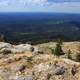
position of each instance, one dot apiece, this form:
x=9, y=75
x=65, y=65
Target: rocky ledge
x=29, y=62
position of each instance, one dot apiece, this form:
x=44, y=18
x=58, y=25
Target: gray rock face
x=47, y=71
x=5, y=45
x=26, y=78
x=59, y=70
x=6, y=51
x=19, y=62
x=22, y=48
x=7, y=48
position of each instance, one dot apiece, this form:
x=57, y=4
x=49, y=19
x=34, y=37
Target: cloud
x=33, y=2
x=64, y=0
x=22, y=2
x=40, y=5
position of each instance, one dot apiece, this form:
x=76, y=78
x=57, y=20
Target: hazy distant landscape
x=39, y=27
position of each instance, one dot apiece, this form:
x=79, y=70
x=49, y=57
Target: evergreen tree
x=69, y=54
x=58, y=49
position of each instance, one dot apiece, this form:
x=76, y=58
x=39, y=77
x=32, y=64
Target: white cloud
x=33, y=2
x=23, y=2
x=39, y=5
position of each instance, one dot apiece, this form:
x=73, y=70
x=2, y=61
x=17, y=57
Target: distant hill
x=39, y=27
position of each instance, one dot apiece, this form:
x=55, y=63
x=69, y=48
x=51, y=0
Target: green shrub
x=78, y=57
x=69, y=54
x=58, y=49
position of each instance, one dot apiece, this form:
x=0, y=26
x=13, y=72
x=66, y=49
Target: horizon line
x=40, y=12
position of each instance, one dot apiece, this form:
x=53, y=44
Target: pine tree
x=58, y=49
x=69, y=54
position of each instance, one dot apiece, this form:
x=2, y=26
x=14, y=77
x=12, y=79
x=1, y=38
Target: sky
x=64, y=6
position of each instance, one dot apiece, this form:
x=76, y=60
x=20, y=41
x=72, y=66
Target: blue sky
x=65, y=6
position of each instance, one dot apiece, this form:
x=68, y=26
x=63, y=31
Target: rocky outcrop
x=7, y=48
x=28, y=62
x=22, y=48
x=58, y=71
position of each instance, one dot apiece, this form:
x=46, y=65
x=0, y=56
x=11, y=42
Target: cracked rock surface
x=28, y=62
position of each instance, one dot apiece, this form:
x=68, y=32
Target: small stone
x=26, y=78
x=59, y=70
x=18, y=68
